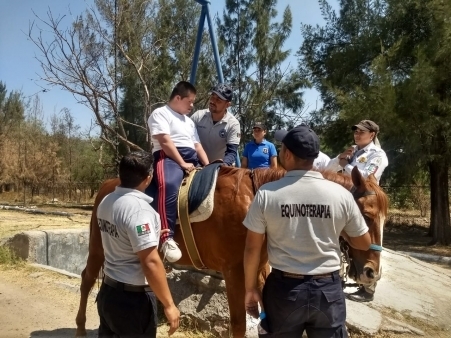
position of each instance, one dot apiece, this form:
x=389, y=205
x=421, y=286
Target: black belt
x=299, y=276
x=126, y=287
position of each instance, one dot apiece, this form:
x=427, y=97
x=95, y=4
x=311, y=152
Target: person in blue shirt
x=259, y=153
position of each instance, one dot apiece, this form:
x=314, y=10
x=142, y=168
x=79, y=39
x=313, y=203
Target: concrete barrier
x=61, y=249
x=201, y=299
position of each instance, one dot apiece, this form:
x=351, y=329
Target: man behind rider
x=219, y=131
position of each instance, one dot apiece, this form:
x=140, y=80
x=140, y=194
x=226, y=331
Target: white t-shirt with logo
x=179, y=127
x=303, y=215
x=128, y=224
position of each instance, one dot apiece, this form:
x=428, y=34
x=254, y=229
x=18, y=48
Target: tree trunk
x=440, y=228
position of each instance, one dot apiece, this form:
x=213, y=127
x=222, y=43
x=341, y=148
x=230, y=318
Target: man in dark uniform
x=302, y=216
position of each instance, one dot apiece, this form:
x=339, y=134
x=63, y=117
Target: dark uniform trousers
x=311, y=304
x=125, y=313
x=164, y=188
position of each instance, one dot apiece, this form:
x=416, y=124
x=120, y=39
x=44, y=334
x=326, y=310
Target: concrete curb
x=60, y=271
x=428, y=257
x=61, y=249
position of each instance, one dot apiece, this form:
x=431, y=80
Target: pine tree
x=252, y=46
x=389, y=61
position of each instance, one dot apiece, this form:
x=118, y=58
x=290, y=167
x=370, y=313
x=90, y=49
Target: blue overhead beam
x=205, y=13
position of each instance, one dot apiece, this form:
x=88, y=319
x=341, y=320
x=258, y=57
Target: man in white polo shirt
x=219, y=131
x=301, y=216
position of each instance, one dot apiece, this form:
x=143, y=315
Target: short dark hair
x=183, y=89
x=134, y=168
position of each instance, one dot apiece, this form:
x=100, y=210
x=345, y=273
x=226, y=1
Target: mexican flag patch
x=143, y=229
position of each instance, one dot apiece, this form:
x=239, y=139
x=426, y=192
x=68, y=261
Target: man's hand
x=187, y=166
x=251, y=301
x=345, y=156
x=173, y=315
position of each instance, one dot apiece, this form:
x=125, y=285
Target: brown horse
x=221, y=238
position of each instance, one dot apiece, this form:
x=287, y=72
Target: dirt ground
x=39, y=303
x=12, y=222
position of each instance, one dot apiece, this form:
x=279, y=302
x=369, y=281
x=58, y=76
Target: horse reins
x=251, y=175
x=344, y=246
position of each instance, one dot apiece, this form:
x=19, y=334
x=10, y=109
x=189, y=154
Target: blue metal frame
x=205, y=13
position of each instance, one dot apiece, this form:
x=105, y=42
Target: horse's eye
x=367, y=218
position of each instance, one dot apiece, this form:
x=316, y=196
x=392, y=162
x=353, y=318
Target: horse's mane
x=262, y=176
x=259, y=176
x=343, y=180
x=346, y=181
x=382, y=198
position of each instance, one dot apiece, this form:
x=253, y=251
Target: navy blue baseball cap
x=302, y=141
x=224, y=91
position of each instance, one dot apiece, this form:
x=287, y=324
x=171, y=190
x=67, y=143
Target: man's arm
x=360, y=242
x=171, y=151
x=243, y=162
x=254, y=242
x=156, y=277
x=230, y=154
x=201, y=154
x=273, y=162
x=255, y=223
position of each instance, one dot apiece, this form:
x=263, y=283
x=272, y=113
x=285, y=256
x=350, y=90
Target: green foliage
x=8, y=258
x=12, y=108
x=388, y=61
x=155, y=51
x=252, y=50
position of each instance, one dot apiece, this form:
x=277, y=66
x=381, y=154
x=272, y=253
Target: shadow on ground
x=61, y=333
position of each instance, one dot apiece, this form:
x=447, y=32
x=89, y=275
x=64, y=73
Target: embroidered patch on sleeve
x=377, y=160
x=143, y=229
x=372, y=168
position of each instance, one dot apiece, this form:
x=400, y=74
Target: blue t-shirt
x=259, y=155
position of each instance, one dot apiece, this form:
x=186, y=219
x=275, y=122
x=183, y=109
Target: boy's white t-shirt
x=179, y=127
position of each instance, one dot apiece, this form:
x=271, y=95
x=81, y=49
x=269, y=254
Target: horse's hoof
x=80, y=333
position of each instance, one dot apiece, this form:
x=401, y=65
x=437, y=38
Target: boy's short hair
x=183, y=89
x=134, y=168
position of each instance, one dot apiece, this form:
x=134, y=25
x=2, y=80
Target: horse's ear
x=357, y=179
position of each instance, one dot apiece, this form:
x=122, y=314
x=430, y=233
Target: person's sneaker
x=171, y=251
x=361, y=296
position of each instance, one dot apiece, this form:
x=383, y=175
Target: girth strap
x=185, y=224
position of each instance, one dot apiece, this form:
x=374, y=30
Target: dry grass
x=12, y=222
x=407, y=231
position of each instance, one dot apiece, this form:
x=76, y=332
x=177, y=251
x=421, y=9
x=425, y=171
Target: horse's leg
x=234, y=279
x=88, y=278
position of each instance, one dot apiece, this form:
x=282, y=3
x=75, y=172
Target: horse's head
x=373, y=203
